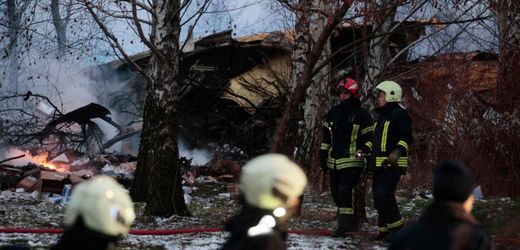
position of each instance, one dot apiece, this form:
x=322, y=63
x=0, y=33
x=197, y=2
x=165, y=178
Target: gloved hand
x=394, y=157
x=359, y=154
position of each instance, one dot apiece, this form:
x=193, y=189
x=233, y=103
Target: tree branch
x=115, y=42
x=145, y=40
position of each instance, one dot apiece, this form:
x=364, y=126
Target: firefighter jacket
x=392, y=130
x=79, y=236
x=444, y=225
x=346, y=129
x=249, y=231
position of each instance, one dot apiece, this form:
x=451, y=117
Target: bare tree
x=508, y=91
x=382, y=21
x=157, y=179
x=158, y=164
x=306, y=60
x=60, y=24
x=14, y=27
x=317, y=98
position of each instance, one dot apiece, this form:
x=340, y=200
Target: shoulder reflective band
x=403, y=144
x=369, y=144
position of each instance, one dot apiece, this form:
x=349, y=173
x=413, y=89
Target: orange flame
x=41, y=159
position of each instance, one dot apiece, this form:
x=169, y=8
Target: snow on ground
x=20, y=210
x=191, y=241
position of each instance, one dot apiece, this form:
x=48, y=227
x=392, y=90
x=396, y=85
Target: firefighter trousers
x=384, y=185
x=343, y=184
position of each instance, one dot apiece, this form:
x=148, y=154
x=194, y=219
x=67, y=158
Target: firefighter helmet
x=349, y=85
x=272, y=181
x=392, y=90
x=104, y=206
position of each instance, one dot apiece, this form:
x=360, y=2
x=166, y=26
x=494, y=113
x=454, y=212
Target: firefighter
x=447, y=222
x=346, y=129
x=100, y=212
x=270, y=187
x=389, y=150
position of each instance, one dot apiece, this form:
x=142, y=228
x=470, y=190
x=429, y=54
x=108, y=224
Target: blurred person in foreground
x=100, y=212
x=270, y=186
x=447, y=223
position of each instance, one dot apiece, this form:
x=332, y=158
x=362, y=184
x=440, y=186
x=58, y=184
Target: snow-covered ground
x=20, y=210
x=211, y=207
x=192, y=241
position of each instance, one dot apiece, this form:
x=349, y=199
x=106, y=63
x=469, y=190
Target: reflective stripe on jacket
x=346, y=129
x=392, y=130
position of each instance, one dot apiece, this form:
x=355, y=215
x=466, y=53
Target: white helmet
x=392, y=90
x=271, y=172
x=103, y=204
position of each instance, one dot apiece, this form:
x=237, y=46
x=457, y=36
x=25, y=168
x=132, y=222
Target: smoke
x=8, y=152
x=198, y=157
x=69, y=84
x=63, y=81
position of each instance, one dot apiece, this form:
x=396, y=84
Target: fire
x=41, y=159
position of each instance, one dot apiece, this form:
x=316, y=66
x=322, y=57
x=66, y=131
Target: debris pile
x=53, y=180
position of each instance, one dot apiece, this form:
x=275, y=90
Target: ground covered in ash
x=211, y=206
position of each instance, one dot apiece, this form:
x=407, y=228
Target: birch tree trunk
x=305, y=60
x=13, y=17
x=301, y=48
x=157, y=179
x=378, y=50
x=317, y=99
x=377, y=61
x=60, y=25
x=508, y=89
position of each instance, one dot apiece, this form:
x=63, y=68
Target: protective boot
x=346, y=223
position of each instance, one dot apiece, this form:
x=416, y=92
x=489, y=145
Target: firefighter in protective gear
x=99, y=213
x=270, y=187
x=389, y=151
x=346, y=129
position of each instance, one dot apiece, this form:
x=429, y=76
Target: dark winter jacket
x=247, y=231
x=347, y=128
x=444, y=225
x=392, y=130
x=79, y=237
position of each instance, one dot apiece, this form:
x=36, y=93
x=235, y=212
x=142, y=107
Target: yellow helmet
x=392, y=90
x=103, y=204
x=271, y=172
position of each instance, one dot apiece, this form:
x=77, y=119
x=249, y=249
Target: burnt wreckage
x=231, y=90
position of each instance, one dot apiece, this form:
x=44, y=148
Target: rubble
x=53, y=180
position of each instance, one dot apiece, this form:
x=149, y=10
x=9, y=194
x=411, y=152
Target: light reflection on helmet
x=393, y=92
x=103, y=204
x=271, y=181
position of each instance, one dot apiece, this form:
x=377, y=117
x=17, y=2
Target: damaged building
x=231, y=90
